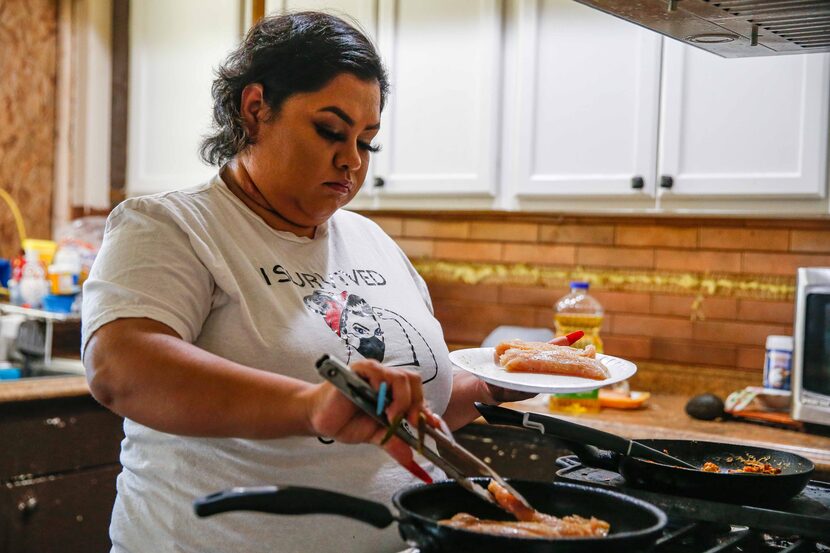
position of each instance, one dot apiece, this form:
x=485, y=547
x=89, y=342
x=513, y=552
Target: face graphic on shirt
x=373, y=332
x=361, y=329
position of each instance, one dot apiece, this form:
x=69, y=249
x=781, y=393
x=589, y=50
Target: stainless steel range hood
x=732, y=28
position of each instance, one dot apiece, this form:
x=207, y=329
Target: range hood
x=732, y=28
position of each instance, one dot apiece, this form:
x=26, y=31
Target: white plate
x=479, y=361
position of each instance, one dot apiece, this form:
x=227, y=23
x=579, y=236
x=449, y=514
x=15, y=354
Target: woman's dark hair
x=287, y=54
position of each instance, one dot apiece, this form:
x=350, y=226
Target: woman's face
x=311, y=158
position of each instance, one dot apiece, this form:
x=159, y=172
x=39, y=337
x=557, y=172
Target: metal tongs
x=456, y=461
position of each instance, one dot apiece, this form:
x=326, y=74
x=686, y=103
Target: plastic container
x=62, y=280
x=44, y=248
x=33, y=284
x=84, y=235
x=578, y=310
x=58, y=303
x=65, y=271
x=778, y=362
x=7, y=372
x=5, y=272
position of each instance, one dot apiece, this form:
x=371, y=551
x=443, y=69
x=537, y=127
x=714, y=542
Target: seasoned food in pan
x=530, y=523
x=750, y=465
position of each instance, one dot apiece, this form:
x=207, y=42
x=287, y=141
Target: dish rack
x=49, y=319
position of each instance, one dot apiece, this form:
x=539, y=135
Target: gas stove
x=802, y=524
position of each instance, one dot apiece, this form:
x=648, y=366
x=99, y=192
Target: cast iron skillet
x=635, y=524
x=742, y=488
x=750, y=489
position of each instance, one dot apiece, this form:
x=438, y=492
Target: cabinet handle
x=379, y=182
x=637, y=183
x=666, y=181
x=27, y=506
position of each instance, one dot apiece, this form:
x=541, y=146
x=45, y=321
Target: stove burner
x=801, y=525
x=598, y=476
x=723, y=526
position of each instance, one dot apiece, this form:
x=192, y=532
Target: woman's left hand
x=501, y=395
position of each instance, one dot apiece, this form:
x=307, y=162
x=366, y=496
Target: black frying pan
x=744, y=488
x=635, y=524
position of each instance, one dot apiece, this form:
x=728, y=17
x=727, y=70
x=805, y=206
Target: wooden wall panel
x=28, y=48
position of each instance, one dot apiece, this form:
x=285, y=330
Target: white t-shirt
x=200, y=261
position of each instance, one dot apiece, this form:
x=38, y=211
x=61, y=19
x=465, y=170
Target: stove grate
x=697, y=537
x=800, y=525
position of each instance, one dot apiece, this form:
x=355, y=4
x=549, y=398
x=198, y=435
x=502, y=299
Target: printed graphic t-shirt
x=201, y=262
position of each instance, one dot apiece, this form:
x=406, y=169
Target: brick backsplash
x=652, y=327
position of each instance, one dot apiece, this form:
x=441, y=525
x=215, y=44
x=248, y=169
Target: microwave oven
x=811, y=347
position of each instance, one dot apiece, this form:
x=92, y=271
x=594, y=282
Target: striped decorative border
x=779, y=288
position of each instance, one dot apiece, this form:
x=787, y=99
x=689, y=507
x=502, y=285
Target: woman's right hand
x=333, y=415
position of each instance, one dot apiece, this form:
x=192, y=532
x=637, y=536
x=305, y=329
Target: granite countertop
x=664, y=417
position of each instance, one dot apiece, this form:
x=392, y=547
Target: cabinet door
x=364, y=12
x=439, y=131
x=58, y=468
x=56, y=436
x=750, y=127
x=174, y=48
x=68, y=512
x=585, y=103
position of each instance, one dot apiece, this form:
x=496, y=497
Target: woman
x=207, y=307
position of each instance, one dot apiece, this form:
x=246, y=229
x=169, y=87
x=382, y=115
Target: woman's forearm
x=466, y=390
x=142, y=370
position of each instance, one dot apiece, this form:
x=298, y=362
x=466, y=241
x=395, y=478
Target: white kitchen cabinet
x=364, y=12
x=752, y=127
x=536, y=105
x=592, y=101
x=440, y=127
x=586, y=104
x=174, y=49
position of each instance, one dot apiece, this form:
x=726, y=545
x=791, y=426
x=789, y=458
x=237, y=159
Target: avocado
x=705, y=407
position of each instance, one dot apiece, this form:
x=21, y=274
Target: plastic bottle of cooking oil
x=578, y=310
